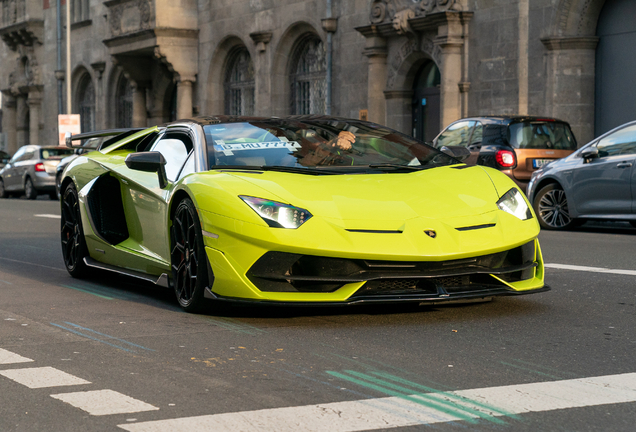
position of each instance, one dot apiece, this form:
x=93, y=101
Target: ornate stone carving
x=130, y=16
x=399, y=12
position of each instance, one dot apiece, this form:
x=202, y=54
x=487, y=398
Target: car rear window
x=55, y=153
x=541, y=135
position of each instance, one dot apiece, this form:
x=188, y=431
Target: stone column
x=570, y=83
x=9, y=125
x=139, y=112
x=376, y=51
x=450, y=41
x=35, y=103
x=184, y=98
x=22, y=127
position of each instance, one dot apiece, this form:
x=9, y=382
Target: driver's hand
x=344, y=140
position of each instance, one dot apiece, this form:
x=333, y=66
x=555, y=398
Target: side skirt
x=162, y=280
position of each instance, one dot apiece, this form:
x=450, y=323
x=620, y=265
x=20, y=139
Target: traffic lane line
x=590, y=269
x=104, y=402
x=42, y=377
x=48, y=216
x=393, y=412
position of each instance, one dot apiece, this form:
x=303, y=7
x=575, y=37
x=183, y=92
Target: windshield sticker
x=229, y=149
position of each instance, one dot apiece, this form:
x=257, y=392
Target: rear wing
x=68, y=138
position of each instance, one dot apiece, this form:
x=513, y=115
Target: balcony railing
x=13, y=11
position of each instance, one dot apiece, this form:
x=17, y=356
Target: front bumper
x=278, y=278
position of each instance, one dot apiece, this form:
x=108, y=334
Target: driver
x=330, y=152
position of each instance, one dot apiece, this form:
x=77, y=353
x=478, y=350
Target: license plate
x=538, y=163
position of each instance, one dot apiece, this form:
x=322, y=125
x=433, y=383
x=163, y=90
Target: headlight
x=277, y=215
x=514, y=203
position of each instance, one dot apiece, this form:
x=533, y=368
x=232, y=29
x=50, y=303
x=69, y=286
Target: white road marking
x=48, y=216
x=7, y=357
x=391, y=412
x=42, y=377
x=104, y=402
x=590, y=269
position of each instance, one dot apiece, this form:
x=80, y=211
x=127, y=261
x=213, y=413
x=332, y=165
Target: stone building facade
x=414, y=65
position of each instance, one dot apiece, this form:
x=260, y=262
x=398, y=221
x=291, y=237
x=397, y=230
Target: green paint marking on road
x=429, y=404
x=87, y=292
x=445, y=394
x=235, y=327
x=440, y=397
x=536, y=372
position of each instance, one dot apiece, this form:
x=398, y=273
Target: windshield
x=542, y=135
x=55, y=153
x=318, y=145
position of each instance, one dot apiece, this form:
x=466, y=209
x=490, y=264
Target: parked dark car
x=31, y=171
x=596, y=182
x=516, y=145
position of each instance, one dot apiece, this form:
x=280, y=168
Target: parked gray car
x=31, y=171
x=598, y=181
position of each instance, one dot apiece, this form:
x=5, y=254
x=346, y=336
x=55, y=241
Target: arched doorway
x=426, y=102
x=615, y=93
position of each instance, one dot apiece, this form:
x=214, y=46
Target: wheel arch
x=543, y=183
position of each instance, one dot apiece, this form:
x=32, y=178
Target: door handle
x=624, y=165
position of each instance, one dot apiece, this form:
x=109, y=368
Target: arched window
x=308, y=76
x=239, y=84
x=87, y=103
x=124, y=103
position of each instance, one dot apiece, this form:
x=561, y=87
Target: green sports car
x=298, y=210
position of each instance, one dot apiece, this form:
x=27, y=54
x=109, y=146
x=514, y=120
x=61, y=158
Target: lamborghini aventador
x=298, y=210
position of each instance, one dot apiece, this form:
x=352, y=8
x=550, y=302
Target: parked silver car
x=598, y=181
x=31, y=171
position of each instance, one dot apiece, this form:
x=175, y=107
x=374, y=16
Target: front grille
x=285, y=272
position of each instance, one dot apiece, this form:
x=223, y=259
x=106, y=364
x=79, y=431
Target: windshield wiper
x=396, y=166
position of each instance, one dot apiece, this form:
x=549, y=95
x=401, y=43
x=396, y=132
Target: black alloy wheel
x=551, y=207
x=3, y=192
x=189, y=269
x=73, y=243
x=29, y=189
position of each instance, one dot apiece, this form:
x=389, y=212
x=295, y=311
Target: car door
x=9, y=175
x=603, y=185
x=146, y=204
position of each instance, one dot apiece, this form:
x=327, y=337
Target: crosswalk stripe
x=392, y=412
x=104, y=402
x=7, y=357
x=42, y=377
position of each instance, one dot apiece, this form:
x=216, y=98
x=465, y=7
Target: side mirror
x=149, y=162
x=589, y=153
x=459, y=153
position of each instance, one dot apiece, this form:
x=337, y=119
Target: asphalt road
x=111, y=354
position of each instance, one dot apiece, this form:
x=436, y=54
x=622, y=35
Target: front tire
x=74, y=248
x=551, y=207
x=3, y=192
x=189, y=269
x=29, y=189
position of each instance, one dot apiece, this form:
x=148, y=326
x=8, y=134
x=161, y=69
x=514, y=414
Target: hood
x=379, y=201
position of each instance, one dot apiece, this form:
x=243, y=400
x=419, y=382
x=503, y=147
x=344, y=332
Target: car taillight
x=39, y=167
x=505, y=158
